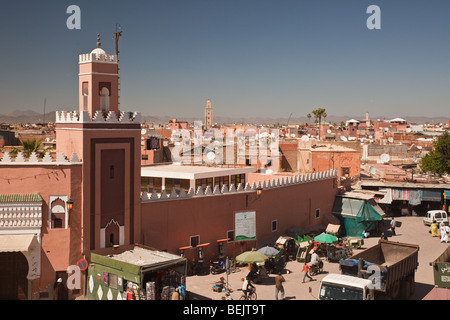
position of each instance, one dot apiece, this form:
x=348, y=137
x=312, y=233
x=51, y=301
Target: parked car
x=438, y=215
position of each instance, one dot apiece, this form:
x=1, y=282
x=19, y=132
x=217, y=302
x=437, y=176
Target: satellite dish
x=372, y=170
x=390, y=139
x=143, y=131
x=305, y=138
x=328, y=131
x=211, y=156
x=385, y=158
x=344, y=138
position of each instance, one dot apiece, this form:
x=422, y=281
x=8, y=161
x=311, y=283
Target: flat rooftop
x=144, y=257
x=176, y=171
x=404, y=185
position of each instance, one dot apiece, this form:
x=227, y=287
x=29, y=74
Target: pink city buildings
x=56, y=211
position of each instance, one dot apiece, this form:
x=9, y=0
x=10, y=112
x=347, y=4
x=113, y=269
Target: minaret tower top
x=98, y=81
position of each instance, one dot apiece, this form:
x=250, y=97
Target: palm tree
x=29, y=146
x=319, y=114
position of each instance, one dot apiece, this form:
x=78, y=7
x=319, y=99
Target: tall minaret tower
x=98, y=81
x=108, y=144
x=208, y=115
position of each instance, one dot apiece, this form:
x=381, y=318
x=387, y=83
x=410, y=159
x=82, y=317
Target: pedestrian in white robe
x=444, y=230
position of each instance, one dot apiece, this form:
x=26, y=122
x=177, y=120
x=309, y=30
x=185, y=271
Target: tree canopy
x=319, y=113
x=438, y=159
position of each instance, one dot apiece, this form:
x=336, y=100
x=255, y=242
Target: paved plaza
x=412, y=231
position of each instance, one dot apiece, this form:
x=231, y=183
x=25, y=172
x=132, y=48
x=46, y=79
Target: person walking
x=434, y=229
x=306, y=270
x=279, y=279
x=393, y=225
x=445, y=230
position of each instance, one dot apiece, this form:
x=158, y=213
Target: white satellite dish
x=390, y=139
x=344, y=138
x=372, y=170
x=305, y=138
x=143, y=131
x=328, y=131
x=384, y=158
x=211, y=156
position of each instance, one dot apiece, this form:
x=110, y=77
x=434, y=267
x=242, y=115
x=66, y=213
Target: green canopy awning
x=367, y=213
x=357, y=215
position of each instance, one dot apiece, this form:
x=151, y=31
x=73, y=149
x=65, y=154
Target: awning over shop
x=16, y=242
x=357, y=215
x=387, y=197
x=400, y=194
x=413, y=196
x=431, y=195
x=447, y=194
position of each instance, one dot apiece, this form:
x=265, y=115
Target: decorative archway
x=112, y=234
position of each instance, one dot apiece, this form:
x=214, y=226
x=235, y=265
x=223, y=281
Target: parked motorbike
x=217, y=266
x=316, y=268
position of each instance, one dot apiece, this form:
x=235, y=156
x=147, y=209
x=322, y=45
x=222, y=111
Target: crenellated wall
x=264, y=184
x=168, y=221
x=98, y=117
x=34, y=160
x=93, y=57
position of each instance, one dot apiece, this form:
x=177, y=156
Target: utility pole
x=45, y=102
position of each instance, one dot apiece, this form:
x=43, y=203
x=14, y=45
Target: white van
x=438, y=215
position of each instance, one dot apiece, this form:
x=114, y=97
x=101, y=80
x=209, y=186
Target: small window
x=230, y=235
x=145, y=157
x=194, y=241
x=57, y=223
x=274, y=225
x=317, y=213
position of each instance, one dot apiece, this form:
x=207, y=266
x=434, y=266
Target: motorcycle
x=217, y=266
x=316, y=268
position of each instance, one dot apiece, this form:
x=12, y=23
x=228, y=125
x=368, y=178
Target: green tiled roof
x=36, y=197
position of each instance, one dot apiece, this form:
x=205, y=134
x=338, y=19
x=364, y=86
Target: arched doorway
x=13, y=276
x=112, y=232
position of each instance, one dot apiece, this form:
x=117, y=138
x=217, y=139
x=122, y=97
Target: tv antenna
x=116, y=37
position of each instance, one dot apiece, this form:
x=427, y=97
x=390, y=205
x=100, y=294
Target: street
x=412, y=231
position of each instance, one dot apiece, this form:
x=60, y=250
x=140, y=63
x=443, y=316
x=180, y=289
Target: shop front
x=138, y=274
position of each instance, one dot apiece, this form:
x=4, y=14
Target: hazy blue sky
x=265, y=58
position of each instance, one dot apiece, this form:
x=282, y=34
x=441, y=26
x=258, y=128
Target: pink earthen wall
x=60, y=247
x=170, y=224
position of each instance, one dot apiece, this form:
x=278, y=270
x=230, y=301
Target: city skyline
x=250, y=58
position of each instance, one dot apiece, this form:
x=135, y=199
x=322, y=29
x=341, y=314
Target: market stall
x=138, y=274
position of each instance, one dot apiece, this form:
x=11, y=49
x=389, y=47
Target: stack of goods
x=150, y=290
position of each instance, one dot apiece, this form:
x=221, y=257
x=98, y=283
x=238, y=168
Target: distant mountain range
x=28, y=116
